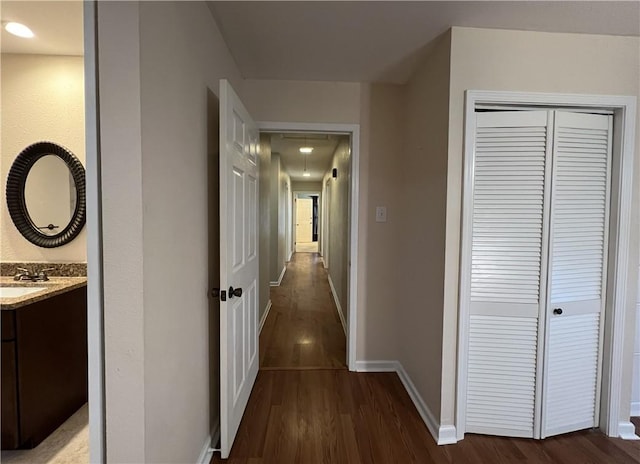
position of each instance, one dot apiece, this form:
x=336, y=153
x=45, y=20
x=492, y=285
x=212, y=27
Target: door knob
x=235, y=292
x=215, y=292
x=557, y=311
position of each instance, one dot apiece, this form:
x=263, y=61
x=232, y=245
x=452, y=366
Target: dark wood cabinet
x=44, y=366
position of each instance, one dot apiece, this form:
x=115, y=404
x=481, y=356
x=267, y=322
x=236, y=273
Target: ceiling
x=318, y=162
x=57, y=26
x=335, y=40
x=384, y=41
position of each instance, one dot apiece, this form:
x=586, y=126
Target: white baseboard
x=377, y=366
x=335, y=298
x=442, y=434
x=206, y=454
x=627, y=431
x=635, y=409
x=290, y=255
x=264, y=316
x=279, y=281
x=207, y=451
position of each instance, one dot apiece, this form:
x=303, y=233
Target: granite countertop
x=54, y=286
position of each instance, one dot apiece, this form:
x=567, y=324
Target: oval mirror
x=46, y=194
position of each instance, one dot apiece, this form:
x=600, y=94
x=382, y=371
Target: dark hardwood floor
x=303, y=329
x=337, y=416
x=306, y=408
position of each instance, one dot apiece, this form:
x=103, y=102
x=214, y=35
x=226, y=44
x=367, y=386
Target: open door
x=238, y=262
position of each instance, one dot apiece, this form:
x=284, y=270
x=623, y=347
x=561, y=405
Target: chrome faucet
x=42, y=276
x=25, y=274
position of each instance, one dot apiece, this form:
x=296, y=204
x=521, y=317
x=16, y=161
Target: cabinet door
x=508, y=249
x=9, y=421
x=577, y=271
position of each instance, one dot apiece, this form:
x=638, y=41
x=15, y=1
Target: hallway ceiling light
x=306, y=174
x=306, y=150
x=19, y=30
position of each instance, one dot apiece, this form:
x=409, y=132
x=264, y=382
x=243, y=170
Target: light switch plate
x=381, y=214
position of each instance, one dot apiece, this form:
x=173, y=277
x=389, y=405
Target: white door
x=304, y=220
x=512, y=161
x=577, y=272
x=536, y=285
x=238, y=262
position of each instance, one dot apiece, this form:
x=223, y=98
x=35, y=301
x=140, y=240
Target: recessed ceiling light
x=306, y=174
x=306, y=150
x=19, y=29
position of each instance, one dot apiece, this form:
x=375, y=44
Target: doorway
x=306, y=220
x=343, y=180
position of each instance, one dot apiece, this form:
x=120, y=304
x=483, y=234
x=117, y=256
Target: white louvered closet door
x=577, y=272
x=509, y=239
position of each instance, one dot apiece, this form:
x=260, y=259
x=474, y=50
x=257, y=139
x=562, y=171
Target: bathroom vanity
x=44, y=358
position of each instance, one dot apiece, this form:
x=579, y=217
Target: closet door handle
x=557, y=311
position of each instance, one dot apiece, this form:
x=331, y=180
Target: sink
x=14, y=292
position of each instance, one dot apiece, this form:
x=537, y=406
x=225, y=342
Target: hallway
x=303, y=329
x=306, y=408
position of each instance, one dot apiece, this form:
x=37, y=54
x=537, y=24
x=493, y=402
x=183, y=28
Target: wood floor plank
x=303, y=328
x=321, y=413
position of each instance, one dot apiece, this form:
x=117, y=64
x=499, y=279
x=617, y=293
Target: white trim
x=424, y=411
x=337, y=301
x=442, y=434
x=635, y=409
x=206, y=453
x=95, y=284
x=279, y=281
x=627, y=431
x=294, y=208
x=264, y=316
x=352, y=280
x=624, y=108
x=289, y=257
x=377, y=366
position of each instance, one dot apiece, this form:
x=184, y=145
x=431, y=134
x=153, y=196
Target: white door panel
x=577, y=272
x=238, y=262
x=539, y=238
x=507, y=250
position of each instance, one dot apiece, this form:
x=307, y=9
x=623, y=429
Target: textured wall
x=42, y=99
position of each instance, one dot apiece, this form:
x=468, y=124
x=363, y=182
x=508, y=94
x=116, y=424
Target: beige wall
x=42, y=100
x=302, y=101
x=157, y=61
x=301, y=186
x=422, y=222
x=338, y=234
x=264, y=228
x=285, y=219
x=483, y=59
x=382, y=136
x=276, y=227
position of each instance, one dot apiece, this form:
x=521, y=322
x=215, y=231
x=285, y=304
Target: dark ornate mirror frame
x=16, y=181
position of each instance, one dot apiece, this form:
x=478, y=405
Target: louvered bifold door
x=508, y=237
x=577, y=271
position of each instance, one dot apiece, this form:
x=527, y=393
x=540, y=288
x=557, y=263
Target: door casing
x=624, y=111
x=294, y=210
x=352, y=276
